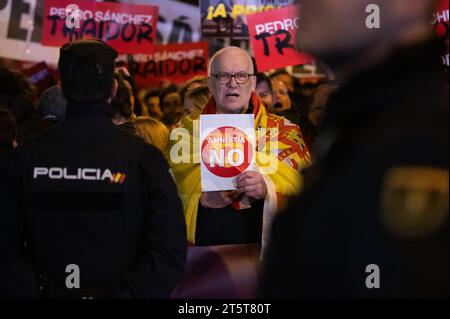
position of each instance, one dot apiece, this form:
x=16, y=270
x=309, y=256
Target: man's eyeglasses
x=225, y=77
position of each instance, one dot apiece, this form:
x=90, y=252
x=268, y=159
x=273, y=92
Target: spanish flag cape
x=279, y=157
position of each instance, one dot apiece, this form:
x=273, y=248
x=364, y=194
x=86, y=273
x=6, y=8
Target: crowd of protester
x=280, y=93
x=152, y=113
x=341, y=164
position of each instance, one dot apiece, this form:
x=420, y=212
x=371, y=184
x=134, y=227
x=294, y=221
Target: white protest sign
x=20, y=32
x=227, y=148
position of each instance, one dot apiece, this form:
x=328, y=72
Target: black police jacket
x=372, y=220
x=89, y=194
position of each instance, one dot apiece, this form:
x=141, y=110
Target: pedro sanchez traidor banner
x=174, y=63
x=272, y=35
x=21, y=27
x=127, y=28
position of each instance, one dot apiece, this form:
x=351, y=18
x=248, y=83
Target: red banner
x=272, y=35
x=127, y=28
x=175, y=63
x=440, y=21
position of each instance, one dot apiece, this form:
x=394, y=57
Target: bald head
x=231, y=80
x=230, y=52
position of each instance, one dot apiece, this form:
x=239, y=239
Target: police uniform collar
x=75, y=108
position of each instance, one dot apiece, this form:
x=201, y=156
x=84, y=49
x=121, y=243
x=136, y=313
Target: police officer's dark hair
x=121, y=103
x=261, y=77
x=86, y=70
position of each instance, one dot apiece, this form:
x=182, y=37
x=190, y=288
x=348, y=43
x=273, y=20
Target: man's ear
x=253, y=83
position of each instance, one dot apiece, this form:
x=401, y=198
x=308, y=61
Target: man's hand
x=215, y=199
x=251, y=184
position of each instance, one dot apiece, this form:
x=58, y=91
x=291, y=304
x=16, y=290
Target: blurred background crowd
x=153, y=112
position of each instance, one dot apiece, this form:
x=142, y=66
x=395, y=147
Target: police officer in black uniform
x=372, y=219
x=95, y=206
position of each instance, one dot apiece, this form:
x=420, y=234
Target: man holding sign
x=241, y=215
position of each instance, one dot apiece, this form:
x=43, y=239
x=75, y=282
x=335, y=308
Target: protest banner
x=176, y=63
x=178, y=22
x=127, y=28
x=21, y=28
x=227, y=148
x=226, y=18
x=272, y=35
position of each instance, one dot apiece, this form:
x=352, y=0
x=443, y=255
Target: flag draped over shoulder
x=281, y=153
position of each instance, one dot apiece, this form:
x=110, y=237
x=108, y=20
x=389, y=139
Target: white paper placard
x=227, y=149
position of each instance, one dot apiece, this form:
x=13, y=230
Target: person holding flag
x=218, y=218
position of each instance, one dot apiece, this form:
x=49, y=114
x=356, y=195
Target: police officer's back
x=89, y=194
x=372, y=220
